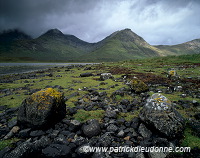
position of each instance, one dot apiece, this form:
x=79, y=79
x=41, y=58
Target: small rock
x=127, y=138
x=12, y=123
x=24, y=133
x=56, y=150
x=121, y=133
x=37, y=133
x=110, y=113
x=92, y=129
x=156, y=155
x=14, y=130
x=112, y=128
x=144, y=131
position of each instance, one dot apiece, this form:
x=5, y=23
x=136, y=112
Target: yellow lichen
x=42, y=97
x=172, y=73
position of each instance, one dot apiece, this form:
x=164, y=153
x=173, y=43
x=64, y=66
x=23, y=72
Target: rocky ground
x=107, y=105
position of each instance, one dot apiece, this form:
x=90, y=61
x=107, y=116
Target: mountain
x=13, y=35
x=56, y=46
x=51, y=46
x=191, y=47
x=122, y=45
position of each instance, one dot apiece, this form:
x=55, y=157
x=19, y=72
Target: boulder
x=158, y=114
x=87, y=74
x=105, y=76
x=92, y=129
x=137, y=86
x=42, y=109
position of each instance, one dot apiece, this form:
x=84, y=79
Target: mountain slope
x=191, y=47
x=122, y=45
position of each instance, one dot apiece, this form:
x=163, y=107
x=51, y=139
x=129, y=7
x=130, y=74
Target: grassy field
x=153, y=72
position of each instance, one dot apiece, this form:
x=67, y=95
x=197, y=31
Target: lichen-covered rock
x=138, y=86
x=42, y=109
x=172, y=73
x=158, y=102
x=105, y=76
x=159, y=115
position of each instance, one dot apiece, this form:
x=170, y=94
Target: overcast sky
x=157, y=21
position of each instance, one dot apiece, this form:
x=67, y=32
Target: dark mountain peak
x=13, y=35
x=52, y=34
x=54, y=31
x=127, y=35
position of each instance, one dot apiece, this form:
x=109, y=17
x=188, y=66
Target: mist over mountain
x=56, y=46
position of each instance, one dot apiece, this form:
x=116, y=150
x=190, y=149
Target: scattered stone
x=144, y=131
x=112, y=128
x=37, y=133
x=56, y=150
x=21, y=150
x=87, y=74
x=24, y=133
x=127, y=138
x=121, y=133
x=105, y=76
x=106, y=139
x=110, y=113
x=197, y=116
x=138, y=86
x=125, y=102
x=156, y=155
x=92, y=129
x=12, y=123
x=14, y=130
x=172, y=73
x=42, y=109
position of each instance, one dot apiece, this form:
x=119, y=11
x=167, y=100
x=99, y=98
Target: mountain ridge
x=56, y=46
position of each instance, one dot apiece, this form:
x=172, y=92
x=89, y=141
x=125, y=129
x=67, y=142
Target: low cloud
x=157, y=21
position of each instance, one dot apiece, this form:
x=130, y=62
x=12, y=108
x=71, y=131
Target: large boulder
x=42, y=109
x=160, y=116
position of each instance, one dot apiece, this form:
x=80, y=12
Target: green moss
x=83, y=115
x=190, y=140
x=8, y=142
x=129, y=115
x=138, y=86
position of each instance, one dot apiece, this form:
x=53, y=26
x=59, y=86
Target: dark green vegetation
x=16, y=46
x=151, y=72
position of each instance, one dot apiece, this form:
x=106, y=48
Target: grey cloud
x=157, y=21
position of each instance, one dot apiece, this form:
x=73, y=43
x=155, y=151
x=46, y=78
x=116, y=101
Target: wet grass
x=152, y=72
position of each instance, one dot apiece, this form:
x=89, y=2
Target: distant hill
x=56, y=46
x=191, y=47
